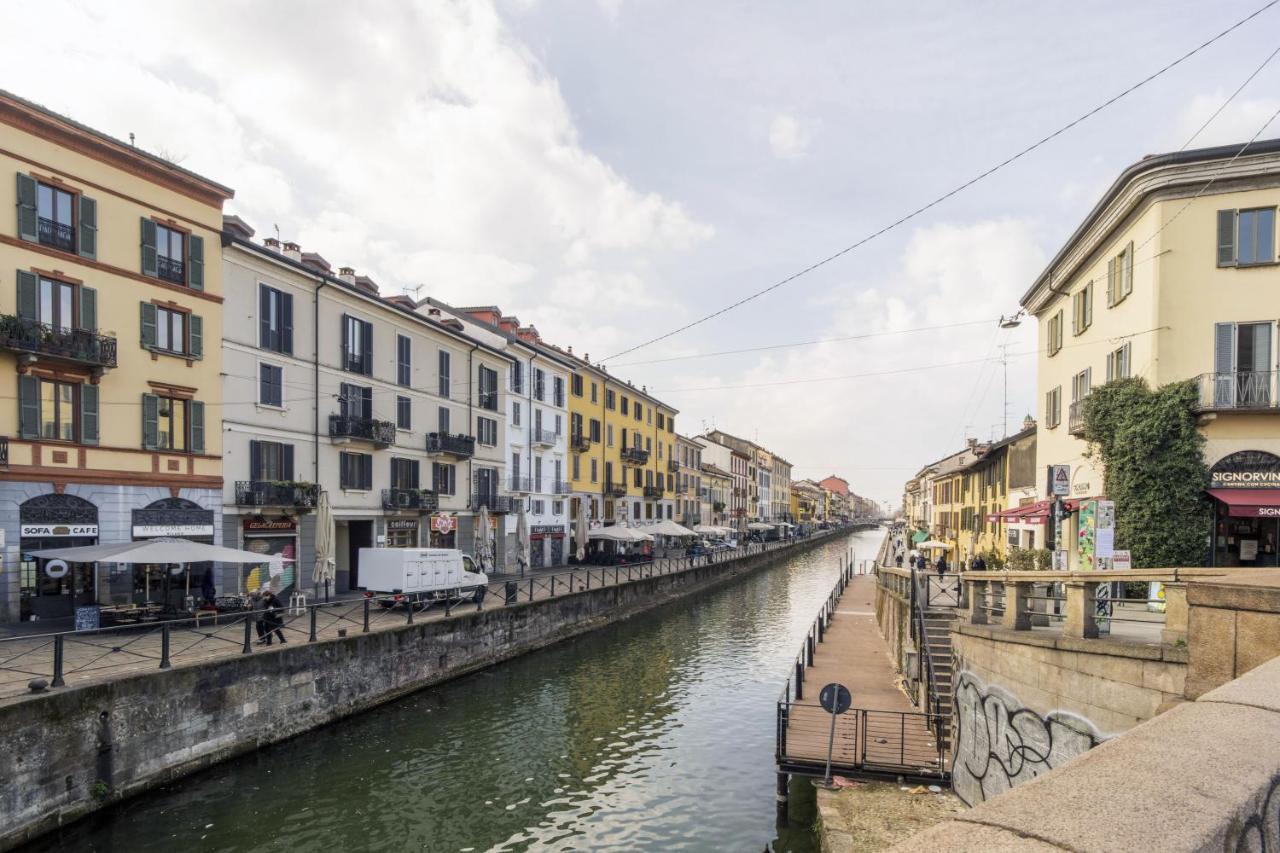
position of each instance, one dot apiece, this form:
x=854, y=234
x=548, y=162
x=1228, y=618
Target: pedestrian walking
x=941, y=565
x=898, y=559
x=979, y=564
x=271, y=621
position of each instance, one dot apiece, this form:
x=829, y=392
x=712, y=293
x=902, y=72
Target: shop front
x=52, y=589
x=546, y=545
x=158, y=584
x=276, y=539
x=1245, y=487
x=444, y=530
x=402, y=532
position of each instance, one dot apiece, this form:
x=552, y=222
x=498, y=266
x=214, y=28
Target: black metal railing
x=560, y=487
x=520, y=484
x=454, y=445
x=635, y=455
x=171, y=269
x=368, y=429
x=56, y=234
x=4, y=450
x=1075, y=418
x=1249, y=390
x=615, y=490
x=81, y=346
x=492, y=502
x=673, y=466
x=544, y=436
x=423, y=500
x=580, y=443
x=276, y=493
x=653, y=492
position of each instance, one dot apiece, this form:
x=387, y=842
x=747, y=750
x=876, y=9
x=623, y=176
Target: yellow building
x=623, y=462
x=1173, y=276
x=988, y=481
x=110, y=330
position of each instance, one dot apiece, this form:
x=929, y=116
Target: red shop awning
x=1249, y=503
x=1032, y=513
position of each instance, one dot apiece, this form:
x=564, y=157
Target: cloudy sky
x=610, y=170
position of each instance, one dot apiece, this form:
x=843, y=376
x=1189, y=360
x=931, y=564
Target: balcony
x=543, y=437
x=580, y=443
x=492, y=502
x=421, y=500
x=56, y=234
x=1075, y=418
x=615, y=490
x=560, y=487
x=635, y=456
x=74, y=346
x=4, y=451
x=171, y=270
x=1242, y=391
x=277, y=493
x=673, y=466
x=653, y=492
x=348, y=427
x=690, y=520
x=453, y=445
x=520, y=485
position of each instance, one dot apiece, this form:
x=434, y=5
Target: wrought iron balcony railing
x=1075, y=418
x=423, y=500
x=520, y=485
x=635, y=455
x=560, y=487
x=544, y=437
x=366, y=429
x=4, y=450
x=492, y=502
x=615, y=490
x=580, y=443
x=454, y=445
x=673, y=466
x=80, y=346
x=654, y=492
x=276, y=493
x=1244, y=390
x=171, y=269
x=56, y=234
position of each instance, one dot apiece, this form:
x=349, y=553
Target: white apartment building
x=687, y=466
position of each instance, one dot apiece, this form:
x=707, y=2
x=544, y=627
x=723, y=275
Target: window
x=1054, y=334
x=488, y=389
x=271, y=385
x=609, y=399
x=54, y=216
x=1242, y=364
x=595, y=468
x=576, y=385
x=355, y=471
x=404, y=358
x=404, y=473
x=609, y=435
x=1052, y=412
x=172, y=331
x=1082, y=309
x=1246, y=237
x=357, y=345
x=442, y=420
x=355, y=401
x=171, y=424
x=595, y=432
x=1118, y=363
x=517, y=378
x=170, y=257
x=515, y=413
x=671, y=423
x=445, y=365
x=537, y=473
x=649, y=416
x=515, y=465
x=55, y=302
x=57, y=410
x=661, y=420
x=559, y=426
x=55, y=208
x=1081, y=384
x=625, y=404
x=444, y=478
x=404, y=413
x=537, y=420
x=270, y=461
x=1120, y=276
x=575, y=465
x=659, y=449
x=557, y=390
x=595, y=397
x=557, y=507
x=275, y=320
x=539, y=506
x=539, y=384
x=637, y=477
x=487, y=431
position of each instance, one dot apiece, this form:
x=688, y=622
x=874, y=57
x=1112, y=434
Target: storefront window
x=277, y=541
x=402, y=533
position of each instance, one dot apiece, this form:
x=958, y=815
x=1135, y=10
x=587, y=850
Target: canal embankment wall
x=71, y=752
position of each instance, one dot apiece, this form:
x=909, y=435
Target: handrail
x=925, y=655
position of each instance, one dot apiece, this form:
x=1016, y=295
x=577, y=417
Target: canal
x=654, y=734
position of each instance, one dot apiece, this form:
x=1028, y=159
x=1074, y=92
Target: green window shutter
x=28, y=295
x=196, y=414
x=88, y=242
x=195, y=347
x=28, y=407
x=1226, y=238
x=89, y=413
x=88, y=309
x=150, y=421
x=148, y=324
x=195, y=262
x=148, y=247
x=28, y=224
x=1127, y=278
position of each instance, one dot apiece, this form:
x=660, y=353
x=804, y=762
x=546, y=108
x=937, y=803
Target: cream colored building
x=1173, y=276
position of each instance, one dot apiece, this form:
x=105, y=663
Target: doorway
x=359, y=535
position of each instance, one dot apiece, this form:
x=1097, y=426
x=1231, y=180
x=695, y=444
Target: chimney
x=586, y=356
x=293, y=251
x=271, y=243
x=973, y=442
x=347, y=274
x=570, y=350
x=434, y=313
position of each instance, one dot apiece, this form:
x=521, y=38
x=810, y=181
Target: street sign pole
x=836, y=699
x=831, y=743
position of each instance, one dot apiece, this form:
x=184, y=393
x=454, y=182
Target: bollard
x=448, y=606
x=366, y=617
x=312, y=638
x=781, y=798
x=808, y=643
x=408, y=610
x=248, y=648
x=164, y=646
x=799, y=680
x=481, y=592
x=588, y=579
x=57, y=661
x=820, y=630
x=531, y=589
x=553, y=587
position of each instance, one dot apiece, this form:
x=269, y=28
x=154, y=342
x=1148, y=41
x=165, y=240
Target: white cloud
x=1236, y=124
x=790, y=137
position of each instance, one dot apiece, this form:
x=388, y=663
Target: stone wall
x=1233, y=626
x=72, y=751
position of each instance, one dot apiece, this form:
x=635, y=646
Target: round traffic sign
x=56, y=569
x=835, y=698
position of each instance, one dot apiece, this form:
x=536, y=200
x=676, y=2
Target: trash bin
x=512, y=592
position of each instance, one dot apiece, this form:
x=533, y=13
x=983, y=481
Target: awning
x=1032, y=513
x=919, y=536
x=1249, y=503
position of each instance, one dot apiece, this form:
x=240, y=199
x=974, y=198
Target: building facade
x=111, y=317
x=780, y=495
x=715, y=495
x=689, y=485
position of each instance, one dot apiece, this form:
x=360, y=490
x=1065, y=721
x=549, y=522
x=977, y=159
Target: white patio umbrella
x=667, y=527
x=759, y=525
x=522, y=540
x=932, y=544
x=616, y=533
x=580, y=535
x=483, y=555
x=160, y=550
x=326, y=570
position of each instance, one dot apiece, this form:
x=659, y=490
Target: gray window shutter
x=346, y=340
x=88, y=242
x=89, y=413
x=195, y=330
x=1261, y=347
x=28, y=407
x=1224, y=363
x=1226, y=238
x=148, y=247
x=28, y=295
x=28, y=223
x=88, y=309
x=255, y=460
x=286, y=323
x=148, y=324
x=195, y=413
x=286, y=462
x=150, y=421
x=195, y=262
x=367, y=340
x=1111, y=282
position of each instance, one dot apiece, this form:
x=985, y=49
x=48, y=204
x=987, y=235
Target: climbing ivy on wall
x=1154, y=468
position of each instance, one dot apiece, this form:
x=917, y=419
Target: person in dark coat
x=207, y=590
x=979, y=564
x=941, y=565
x=271, y=621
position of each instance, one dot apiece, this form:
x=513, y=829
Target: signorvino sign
x=1246, y=469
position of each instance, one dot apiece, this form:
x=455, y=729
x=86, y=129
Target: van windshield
x=468, y=565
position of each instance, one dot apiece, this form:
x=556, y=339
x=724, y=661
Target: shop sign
x=444, y=524
x=402, y=524
x=546, y=530
x=270, y=525
x=1246, y=469
x=56, y=569
x=148, y=531
x=35, y=530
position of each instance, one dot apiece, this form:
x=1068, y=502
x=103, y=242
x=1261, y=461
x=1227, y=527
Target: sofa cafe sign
x=1246, y=469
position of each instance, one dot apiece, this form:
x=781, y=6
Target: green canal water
x=655, y=734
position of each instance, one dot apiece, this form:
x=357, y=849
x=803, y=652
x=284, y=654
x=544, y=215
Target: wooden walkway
x=884, y=734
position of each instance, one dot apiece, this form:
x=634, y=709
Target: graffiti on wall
x=1000, y=743
x=1260, y=829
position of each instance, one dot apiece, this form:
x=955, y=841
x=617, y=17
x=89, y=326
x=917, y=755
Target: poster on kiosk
x=1095, y=548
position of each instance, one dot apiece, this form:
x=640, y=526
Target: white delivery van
x=420, y=576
